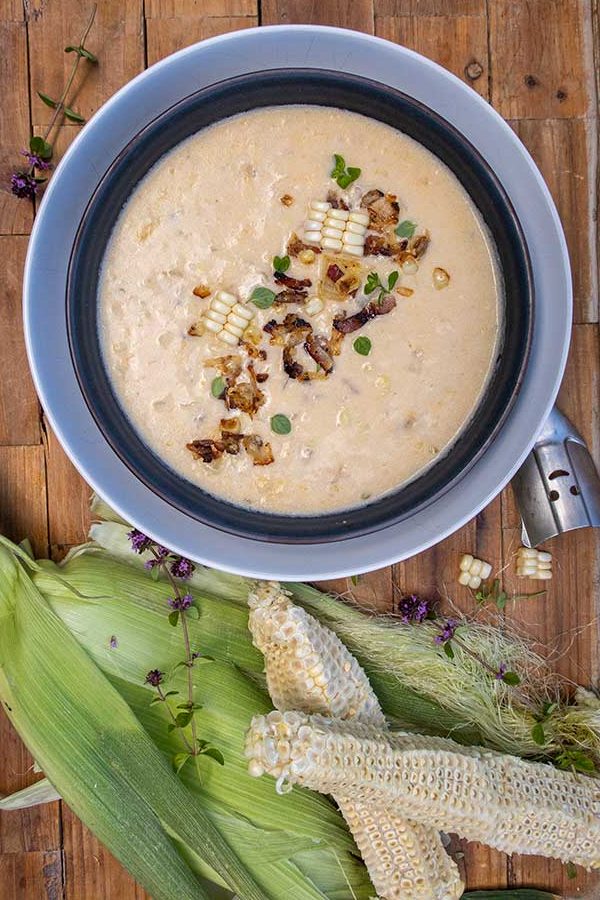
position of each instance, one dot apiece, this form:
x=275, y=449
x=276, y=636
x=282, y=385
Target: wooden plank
x=92, y=873
x=116, y=38
x=173, y=9
x=541, y=58
x=16, y=215
x=165, y=36
x=459, y=43
x=23, y=496
x=358, y=14
x=442, y=8
x=565, y=151
x=19, y=408
x=31, y=876
x=68, y=498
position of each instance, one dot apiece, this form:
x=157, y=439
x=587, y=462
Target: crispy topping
x=370, y=311
x=260, y=451
x=334, y=272
x=206, y=450
x=288, y=295
x=196, y=330
x=383, y=209
x=230, y=424
x=336, y=201
x=254, y=352
x=295, y=246
x=230, y=365
x=340, y=278
x=317, y=346
x=245, y=396
x=420, y=245
x=293, y=283
x=289, y=334
x=287, y=199
x=202, y=291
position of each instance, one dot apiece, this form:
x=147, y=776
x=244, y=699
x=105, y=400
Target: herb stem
x=473, y=655
x=174, y=719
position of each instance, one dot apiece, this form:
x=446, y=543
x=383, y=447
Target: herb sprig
x=494, y=593
x=25, y=183
x=342, y=175
x=374, y=283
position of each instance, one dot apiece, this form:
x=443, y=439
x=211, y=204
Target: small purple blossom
x=154, y=677
x=413, y=610
x=182, y=567
x=501, y=672
x=139, y=541
x=447, y=632
x=36, y=162
x=113, y=643
x=181, y=603
x=162, y=551
x=24, y=185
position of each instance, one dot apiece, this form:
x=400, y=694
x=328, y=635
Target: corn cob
x=227, y=318
x=473, y=571
x=509, y=804
x=336, y=229
x=533, y=563
x=309, y=668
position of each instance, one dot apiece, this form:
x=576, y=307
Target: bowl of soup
x=299, y=321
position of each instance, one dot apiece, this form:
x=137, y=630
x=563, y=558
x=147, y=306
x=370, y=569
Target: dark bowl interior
x=275, y=88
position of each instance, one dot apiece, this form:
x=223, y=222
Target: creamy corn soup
x=299, y=309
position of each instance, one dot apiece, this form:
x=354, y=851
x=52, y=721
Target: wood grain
x=19, y=407
x=536, y=67
x=16, y=215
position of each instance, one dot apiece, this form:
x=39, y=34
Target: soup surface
x=352, y=406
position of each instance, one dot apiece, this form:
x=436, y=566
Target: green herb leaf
x=372, y=283
x=344, y=176
x=193, y=611
x=280, y=424
x=155, y=573
x=538, y=734
x=179, y=761
x=83, y=52
x=511, y=678
x=281, y=263
x=576, y=759
x=571, y=870
x=189, y=706
x=339, y=166
x=548, y=708
x=362, y=345
x=183, y=719
x=405, y=229
x=174, y=617
x=170, y=694
x=448, y=650
x=262, y=297
x=47, y=100
x=217, y=386
x=214, y=754
x=40, y=147
x=392, y=279
x=354, y=173
x=72, y=115
x=355, y=579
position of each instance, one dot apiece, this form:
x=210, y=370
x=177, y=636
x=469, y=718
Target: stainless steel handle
x=557, y=488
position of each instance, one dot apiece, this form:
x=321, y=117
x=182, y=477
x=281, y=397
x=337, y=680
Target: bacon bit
x=261, y=377
x=287, y=199
x=383, y=209
x=317, y=346
x=261, y=452
x=337, y=336
x=375, y=245
x=336, y=201
x=293, y=283
x=289, y=334
x=420, y=245
x=196, y=330
x=230, y=424
x=291, y=296
x=207, y=450
x=296, y=246
x=230, y=442
x=244, y=396
x=202, y=291
x=252, y=351
x=372, y=309
x=334, y=272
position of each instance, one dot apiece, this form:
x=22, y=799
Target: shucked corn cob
x=227, y=318
x=502, y=801
x=309, y=668
x=336, y=229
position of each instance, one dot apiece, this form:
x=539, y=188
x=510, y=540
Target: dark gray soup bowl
x=274, y=88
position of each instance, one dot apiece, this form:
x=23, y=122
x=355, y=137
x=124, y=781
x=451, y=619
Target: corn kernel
x=313, y=306
x=306, y=257
x=532, y=563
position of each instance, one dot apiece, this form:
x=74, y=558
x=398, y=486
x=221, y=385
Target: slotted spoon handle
x=558, y=487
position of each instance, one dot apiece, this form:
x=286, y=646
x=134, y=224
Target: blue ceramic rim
x=250, y=91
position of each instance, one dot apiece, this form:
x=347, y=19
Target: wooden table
x=534, y=60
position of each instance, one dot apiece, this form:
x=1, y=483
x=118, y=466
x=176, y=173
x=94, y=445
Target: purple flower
x=139, y=541
x=413, y=609
x=113, y=643
x=182, y=567
x=162, y=551
x=36, y=162
x=24, y=185
x=447, y=632
x=181, y=603
x=501, y=672
x=154, y=677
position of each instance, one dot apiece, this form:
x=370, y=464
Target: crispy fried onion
x=289, y=282
x=293, y=332
x=372, y=309
x=231, y=441
x=243, y=395
x=340, y=278
x=296, y=246
x=287, y=295
x=336, y=201
x=383, y=209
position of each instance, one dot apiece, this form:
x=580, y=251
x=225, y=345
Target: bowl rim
x=189, y=497
x=279, y=47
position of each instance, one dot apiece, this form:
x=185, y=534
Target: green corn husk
x=418, y=686
x=34, y=795
x=295, y=846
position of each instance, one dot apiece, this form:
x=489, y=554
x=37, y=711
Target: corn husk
x=33, y=795
x=297, y=846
